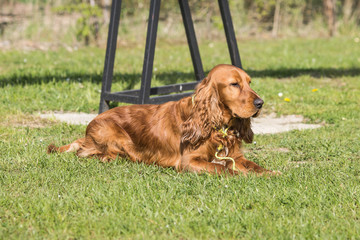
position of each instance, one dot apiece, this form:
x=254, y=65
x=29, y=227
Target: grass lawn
x=65, y=197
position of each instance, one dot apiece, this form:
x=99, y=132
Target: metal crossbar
x=143, y=95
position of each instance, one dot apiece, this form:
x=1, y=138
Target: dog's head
x=233, y=89
x=223, y=95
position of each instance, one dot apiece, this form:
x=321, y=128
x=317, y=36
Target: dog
x=200, y=133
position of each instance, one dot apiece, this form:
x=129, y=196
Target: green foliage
x=88, y=23
x=217, y=22
x=250, y=17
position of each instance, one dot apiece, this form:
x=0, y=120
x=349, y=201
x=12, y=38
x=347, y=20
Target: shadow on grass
x=313, y=72
x=130, y=80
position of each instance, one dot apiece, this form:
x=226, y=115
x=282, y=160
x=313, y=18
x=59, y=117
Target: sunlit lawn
x=63, y=196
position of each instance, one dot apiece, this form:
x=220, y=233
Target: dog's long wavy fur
x=184, y=134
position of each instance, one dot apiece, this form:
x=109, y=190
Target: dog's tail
x=72, y=147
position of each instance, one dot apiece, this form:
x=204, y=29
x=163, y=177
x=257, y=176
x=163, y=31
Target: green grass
x=62, y=196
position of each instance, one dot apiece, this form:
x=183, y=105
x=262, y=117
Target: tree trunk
x=329, y=7
x=347, y=10
x=106, y=11
x=276, y=22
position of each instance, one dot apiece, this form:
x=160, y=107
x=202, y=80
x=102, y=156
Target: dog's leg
x=72, y=147
x=195, y=163
x=245, y=166
x=121, y=147
x=109, y=147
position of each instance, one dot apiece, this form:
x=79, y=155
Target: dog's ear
x=205, y=115
x=245, y=131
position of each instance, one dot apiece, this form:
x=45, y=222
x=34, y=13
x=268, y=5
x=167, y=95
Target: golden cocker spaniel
x=187, y=135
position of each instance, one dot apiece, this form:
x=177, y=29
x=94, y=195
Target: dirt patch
x=269, y=124
x=30, y=121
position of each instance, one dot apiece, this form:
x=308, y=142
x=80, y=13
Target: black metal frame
x=142, y=95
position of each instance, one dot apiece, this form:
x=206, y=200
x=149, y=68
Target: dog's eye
x=235, y=84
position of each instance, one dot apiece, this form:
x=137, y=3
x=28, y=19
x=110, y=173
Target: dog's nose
x=258, y=103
